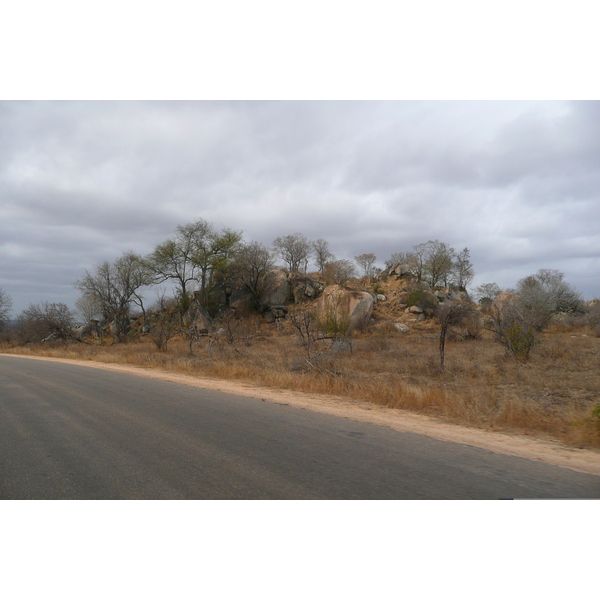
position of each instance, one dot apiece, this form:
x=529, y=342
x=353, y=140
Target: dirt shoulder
x=555, y=453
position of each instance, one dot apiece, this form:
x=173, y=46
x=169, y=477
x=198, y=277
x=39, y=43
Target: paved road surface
x=75, y=432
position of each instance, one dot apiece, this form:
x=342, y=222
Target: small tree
x=88, y=309
x=164, y=321
x=487, y=293
x=306, y=325
x=322, y=254
x=545, y=294
x=295, y=250
x=439, y=259
x=449, y=314
x=214, y=257
x=251, y=264
x=179, y=258
x=5, y=306
x=367, y=263
x=513, y=328
x=51, y=321
x=339, y=271
x=113, y=286
x=593, y=316
x=462, y=270
x=311, y=330
x=402, y=258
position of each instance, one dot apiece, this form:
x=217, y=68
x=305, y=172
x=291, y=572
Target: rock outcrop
x=304, y=287
x=280, y=288
x=276, y=289
x=399, y=270
x=351, y=307
x=197, y=317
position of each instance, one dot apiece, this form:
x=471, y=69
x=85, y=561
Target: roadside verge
x=551, y=452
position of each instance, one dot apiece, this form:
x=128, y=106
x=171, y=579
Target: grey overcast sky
x=81, y=182
x=517, y=182
x=88, y=172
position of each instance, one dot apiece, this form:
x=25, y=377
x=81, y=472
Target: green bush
x=421, y=299
x=335, y=326
x=519, y=340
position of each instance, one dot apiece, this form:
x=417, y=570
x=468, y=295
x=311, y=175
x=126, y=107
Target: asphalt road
x=71, y=432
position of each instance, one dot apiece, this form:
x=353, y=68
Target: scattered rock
x=279, y=312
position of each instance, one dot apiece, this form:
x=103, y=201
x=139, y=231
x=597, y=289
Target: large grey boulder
x=346, y=306
x=459, y=296
x=399, y=270
x=304, y=287
x=279, y=288
x=197, y=317
x=276, y=289
x=241, y=299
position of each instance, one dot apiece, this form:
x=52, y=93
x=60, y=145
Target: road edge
x=549, y=452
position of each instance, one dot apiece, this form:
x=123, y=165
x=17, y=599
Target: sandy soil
x=555, y=453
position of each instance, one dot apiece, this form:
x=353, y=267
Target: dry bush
x=592, y=318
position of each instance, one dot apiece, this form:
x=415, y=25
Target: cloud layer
x=516, y=182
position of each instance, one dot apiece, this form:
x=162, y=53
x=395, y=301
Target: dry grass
x=551, y=395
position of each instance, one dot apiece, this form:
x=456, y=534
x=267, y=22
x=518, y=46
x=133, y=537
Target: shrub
x=592, y=318
x=334, y=325
x=519, y=340
x=421, y=299
x=513, y=328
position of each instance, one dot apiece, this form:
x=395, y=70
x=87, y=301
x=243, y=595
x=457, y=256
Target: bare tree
x=402, y=258
x=517, y=320
x=322, y=254
x=462, y=270
x=5, y=306
x=214, y=256
x=450, y=313
x=232, y=333
x=89, y=311
x=545, y=294
x=114, y=286
x=178, y=258
x=251, y=264
x=51, y=321
x=512, y=327
x=163, y=322
x=486, y=293
x=439, y=258
x=295, y=250
x=418, y=260
x=367, y=263
x=339, y=271
x=309, y=329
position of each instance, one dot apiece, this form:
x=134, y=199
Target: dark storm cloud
x=81, y=182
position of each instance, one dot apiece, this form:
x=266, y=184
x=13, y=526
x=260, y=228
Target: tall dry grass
x=551, y=395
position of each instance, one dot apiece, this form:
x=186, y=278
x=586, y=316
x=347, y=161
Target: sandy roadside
x=555, y=453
